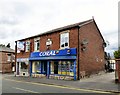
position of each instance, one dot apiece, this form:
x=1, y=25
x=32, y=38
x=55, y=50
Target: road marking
x=25, y=90
x=66, y=87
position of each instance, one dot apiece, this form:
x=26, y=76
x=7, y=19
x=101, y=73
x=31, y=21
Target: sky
x=24, y=18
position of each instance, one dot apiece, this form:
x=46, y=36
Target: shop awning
x=53, y=58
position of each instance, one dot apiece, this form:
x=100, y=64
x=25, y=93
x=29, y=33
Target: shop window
x=63, y=68
x=52, y=67
x=36, y=67
x=36, y=44
x=64, y=40
x=27, y=46
x=24, y=66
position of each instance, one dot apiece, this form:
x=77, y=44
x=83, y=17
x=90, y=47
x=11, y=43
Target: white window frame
x=27, y=44
x=63, y=35
x=36, y=41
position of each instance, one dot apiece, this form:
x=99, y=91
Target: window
x=9, y=57
x=64, y=40
x=24, y=66
x=27, y=46
x=36, y=44
x=63, y=68
x=37, y=67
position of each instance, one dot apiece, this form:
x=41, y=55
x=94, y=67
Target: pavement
x=103, y=82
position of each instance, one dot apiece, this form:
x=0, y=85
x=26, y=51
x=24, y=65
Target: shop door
x=45, y=67
x=55, y=67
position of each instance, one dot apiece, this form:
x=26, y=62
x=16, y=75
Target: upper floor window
x=27, y=46
x=64, y=40
x=36, y=44
x=9, y=57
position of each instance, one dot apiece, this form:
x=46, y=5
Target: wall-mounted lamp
x=83, y=44
x=48, y=43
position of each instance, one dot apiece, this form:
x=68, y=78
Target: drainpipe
x=78, y=65
x=15, y=56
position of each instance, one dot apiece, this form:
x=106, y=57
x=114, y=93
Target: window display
x=52, y=67
x=65, y=68
x=38, y=67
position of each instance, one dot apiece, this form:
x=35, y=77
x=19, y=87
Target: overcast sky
x=24, y=18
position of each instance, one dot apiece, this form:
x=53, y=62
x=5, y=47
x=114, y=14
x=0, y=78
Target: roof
x=61, y=28
x=79, y=24
x=6, y=49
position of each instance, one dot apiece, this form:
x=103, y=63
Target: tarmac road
x=20, y=86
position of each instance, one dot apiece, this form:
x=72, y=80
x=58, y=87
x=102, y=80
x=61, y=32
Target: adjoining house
x=117, y=71
x=7, y=59
x=110, y=63
x=69, y=52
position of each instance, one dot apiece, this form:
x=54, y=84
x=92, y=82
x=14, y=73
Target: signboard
x=20, y=46
x=22, y=59
x=64, y=52
x=47, y=53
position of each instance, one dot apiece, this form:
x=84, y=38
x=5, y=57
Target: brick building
x=117, y=71
x=7, y=59
x=69, y=52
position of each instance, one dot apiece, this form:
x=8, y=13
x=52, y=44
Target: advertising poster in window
x=66, y=68
x=20, y=46
x=59, y=68
x=52, y=67
x=63, y=68
x=71, y=69
x=38, y=66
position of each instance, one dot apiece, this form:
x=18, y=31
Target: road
x=17, y=86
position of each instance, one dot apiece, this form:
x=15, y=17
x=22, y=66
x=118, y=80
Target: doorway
x=18, y=68
x=45, y=67
x=55, y=67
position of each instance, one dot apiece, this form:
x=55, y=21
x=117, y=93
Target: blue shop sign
x=64, y=52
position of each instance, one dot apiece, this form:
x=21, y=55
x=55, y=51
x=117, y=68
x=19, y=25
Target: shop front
x=57, y=64
x=22, y=67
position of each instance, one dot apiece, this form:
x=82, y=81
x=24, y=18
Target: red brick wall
x=5, y=66
x=118, y=69
x=55, y=38
x=92, y=59
x=87, y=59
x=25, y=54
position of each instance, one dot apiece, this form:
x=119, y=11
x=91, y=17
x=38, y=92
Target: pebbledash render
x=70, y=52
